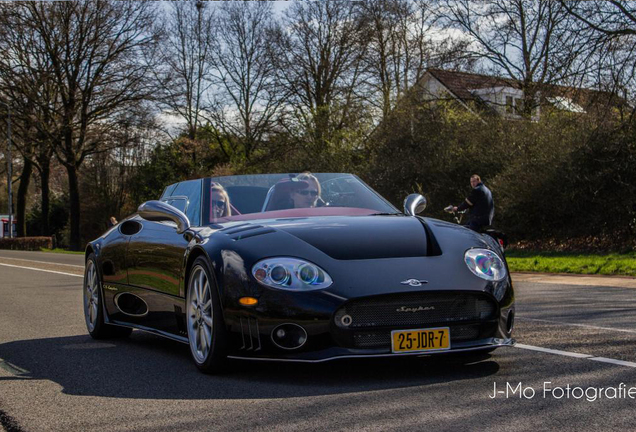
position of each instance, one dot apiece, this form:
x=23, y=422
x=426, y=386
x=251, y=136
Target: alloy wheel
x=200, y=323
x=91, y=295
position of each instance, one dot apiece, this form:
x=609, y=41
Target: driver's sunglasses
x=220, y=204
x=313, y=193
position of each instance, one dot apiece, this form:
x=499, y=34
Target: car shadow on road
x=149, y=367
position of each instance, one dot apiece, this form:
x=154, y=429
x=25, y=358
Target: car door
x=155, y=255
x=155, y=260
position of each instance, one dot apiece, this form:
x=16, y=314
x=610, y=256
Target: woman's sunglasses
x=313, y=193
x=220, y=204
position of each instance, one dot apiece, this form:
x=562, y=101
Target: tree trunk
x=45, y=173
x=73, y=189
x=23, y=191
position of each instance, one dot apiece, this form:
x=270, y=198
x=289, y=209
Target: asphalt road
x=53, y=376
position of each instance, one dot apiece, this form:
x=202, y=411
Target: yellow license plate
x=420, y=340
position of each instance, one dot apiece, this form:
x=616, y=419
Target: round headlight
x=307, y=273
x=291, y=274
x=279, y=274
x=485, y=264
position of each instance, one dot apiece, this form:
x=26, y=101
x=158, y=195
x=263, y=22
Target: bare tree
x=25, y=82
x=94, y=51
x=317, y=53
x=402, y=44
x=246, y=102
x=185, y=68
x=526, y=40
x=609, y=29
x=612, y=18
x=109, y=185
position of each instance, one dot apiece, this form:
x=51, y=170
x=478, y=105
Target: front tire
x=206, y=329
x=93, y=308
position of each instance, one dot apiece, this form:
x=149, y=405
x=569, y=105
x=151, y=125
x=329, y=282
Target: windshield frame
x=206, y=219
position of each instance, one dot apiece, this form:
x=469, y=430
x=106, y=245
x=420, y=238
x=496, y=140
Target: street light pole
x=9, y=169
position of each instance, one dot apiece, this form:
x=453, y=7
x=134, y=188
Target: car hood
x=358, y=237
x=364, y=255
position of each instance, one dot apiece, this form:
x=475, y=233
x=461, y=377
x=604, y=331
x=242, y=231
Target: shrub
x=26, y=243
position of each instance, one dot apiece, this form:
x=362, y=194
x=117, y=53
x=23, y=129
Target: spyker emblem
x=414, y=282
x=417, y=309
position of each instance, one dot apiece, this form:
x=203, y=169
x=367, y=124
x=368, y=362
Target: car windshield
x=292, y=195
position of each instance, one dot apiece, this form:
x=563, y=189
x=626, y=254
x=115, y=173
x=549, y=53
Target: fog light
x=289, y=336
x=342, y=318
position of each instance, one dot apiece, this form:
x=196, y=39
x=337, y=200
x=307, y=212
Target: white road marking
x=577, y=355
x=553, y=351
x=576, y=325
x=42, y=270
x=43, y=262
x=614, y=361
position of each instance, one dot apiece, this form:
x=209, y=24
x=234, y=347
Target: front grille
x=368, y=322
x=382, y=338
x=406, y=310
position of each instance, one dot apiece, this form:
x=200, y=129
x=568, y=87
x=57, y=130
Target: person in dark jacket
x=480, y=203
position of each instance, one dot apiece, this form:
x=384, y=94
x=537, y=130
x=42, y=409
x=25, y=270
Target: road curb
x=572, y=279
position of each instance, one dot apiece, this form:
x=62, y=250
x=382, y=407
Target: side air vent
x=245, y=231
x=131, y=305
x=130, y=227
x=250, y=334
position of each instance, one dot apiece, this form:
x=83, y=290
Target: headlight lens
x=486, y=264
x=291, y=274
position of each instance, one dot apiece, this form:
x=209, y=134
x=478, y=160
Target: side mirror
x=414, y=204
x=158, y=211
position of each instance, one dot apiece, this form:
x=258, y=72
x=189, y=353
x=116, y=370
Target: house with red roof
x=4, y=221
x=491, y=95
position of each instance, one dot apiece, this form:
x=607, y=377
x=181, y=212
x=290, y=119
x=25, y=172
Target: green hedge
x=26, y=243
x=564, y=178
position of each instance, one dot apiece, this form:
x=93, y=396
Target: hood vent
x=244, y=231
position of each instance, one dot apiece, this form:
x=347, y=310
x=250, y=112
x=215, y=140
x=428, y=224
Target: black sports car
x=296, y=268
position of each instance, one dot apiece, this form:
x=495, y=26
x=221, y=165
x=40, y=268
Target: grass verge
x=572, y=262
x=62, y=251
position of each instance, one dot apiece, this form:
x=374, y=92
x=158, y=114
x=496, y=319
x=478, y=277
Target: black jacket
x=481, y=204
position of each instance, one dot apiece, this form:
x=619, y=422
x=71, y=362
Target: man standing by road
x=481, y=204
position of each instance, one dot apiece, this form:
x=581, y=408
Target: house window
x=509, y=106
x=565, y=104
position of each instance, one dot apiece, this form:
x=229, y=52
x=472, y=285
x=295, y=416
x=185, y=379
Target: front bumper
x=340, y=353
x=251, y=330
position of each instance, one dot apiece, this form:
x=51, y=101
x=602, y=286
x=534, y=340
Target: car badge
x=414, y=282
x=417, y=309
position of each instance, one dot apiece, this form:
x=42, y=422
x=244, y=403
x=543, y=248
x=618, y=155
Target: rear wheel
x=93, y=308
x=206, y=329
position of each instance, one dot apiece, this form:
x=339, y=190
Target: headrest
x=281, y=192
x=290, y=184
